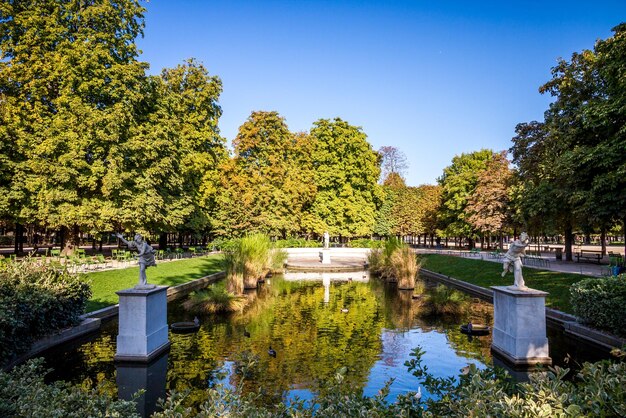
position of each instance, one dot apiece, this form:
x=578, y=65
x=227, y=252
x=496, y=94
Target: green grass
x=487, y=273
x=104, y=284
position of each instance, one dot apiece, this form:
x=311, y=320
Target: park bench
x=535, y=260
x=589, y=255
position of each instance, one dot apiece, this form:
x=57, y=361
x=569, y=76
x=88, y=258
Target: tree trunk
x=603, y=240
x=72, y=242
x=569, y=238
x=19, y=246
x=62, y=235
x=624, y=232
x=162, y=240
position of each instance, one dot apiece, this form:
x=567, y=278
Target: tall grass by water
x=249, y=259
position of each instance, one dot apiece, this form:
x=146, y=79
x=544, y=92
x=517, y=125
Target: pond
x=317, y=324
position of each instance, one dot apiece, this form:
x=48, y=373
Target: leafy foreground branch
x=596, y=390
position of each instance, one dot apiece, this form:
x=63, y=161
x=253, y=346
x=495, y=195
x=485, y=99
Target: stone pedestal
x=143, y=331
x=325, y=256
x=519, y=330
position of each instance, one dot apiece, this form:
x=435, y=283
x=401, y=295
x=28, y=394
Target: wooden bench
x=589, y=255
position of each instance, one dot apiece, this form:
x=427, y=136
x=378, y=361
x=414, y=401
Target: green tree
x=171, y=157
x=346, y=173
x=70, y=86
x=458, y=183
x=431, y=203
x=576, y=157
x=268, y=185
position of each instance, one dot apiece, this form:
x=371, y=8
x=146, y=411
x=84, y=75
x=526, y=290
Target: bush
x=597, y=390
x=366, y=243
x=601, y=303
x=23, y=393
x=36, y=300
x=297, y=243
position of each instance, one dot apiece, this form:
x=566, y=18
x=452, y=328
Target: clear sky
x=432, y=78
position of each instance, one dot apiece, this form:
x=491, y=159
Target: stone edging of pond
x=570, y=324
x=90, y=322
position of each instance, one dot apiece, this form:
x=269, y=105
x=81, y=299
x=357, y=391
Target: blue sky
x=432, y=78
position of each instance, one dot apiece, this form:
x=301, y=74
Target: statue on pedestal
x=145, y=255
x=513, y=260
x=326, y=240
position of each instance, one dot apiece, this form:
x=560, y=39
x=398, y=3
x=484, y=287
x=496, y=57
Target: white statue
x=513, y=260
x=326, y=240
x=145, y=254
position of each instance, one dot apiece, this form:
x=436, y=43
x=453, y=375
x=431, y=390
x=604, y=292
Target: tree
x=488, y=207
x=394, y=161
x=172, y=153
x=431, y=203
x=346, y=171
x=268, y=184
x=458, y=183
x=579, y=151
x=70, y=86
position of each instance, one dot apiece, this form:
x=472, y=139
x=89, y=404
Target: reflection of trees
x=478, y=348
x=313, y=339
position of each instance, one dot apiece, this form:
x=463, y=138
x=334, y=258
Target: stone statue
x=145, y=254
x=326, y=240
x=513, y=260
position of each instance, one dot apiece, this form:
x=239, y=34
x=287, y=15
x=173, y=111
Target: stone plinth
x=325, y=256
x=143, y=332
x=519, y=330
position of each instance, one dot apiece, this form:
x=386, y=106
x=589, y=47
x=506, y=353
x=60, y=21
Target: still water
x=317, y=324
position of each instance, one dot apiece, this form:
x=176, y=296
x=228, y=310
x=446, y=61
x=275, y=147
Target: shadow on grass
x=94, y=305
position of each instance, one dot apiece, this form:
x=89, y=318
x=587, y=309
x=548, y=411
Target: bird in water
x=344, y=310
x=246, y=333
x=196, y=321
x=271, y=352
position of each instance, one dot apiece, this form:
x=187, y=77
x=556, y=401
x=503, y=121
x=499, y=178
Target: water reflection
x=149, y=377
x=302, y=319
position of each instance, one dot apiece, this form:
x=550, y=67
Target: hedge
x=601, y=303
x=36, y=300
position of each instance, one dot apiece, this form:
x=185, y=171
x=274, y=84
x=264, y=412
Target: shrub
x=596, y=390
x=365, y=243
x=297, y=243
x=23, y=393
x=601, y=303
x=35, y=300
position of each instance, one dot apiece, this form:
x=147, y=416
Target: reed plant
x=443, y=300
x=214, y=299
x=404, y=267
x=249, y=259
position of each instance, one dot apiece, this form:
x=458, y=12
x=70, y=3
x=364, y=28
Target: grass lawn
x=487, y=273
x=104, y=284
